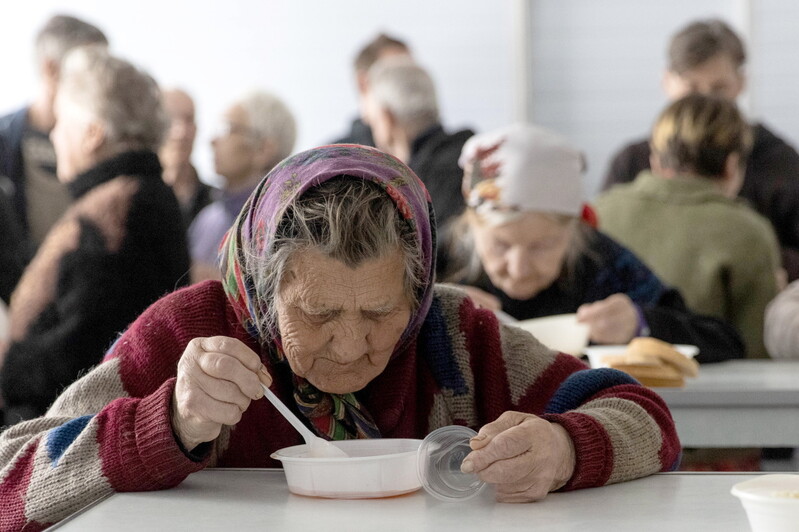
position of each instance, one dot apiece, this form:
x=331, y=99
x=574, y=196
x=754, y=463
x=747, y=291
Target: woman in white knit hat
x=527, y=245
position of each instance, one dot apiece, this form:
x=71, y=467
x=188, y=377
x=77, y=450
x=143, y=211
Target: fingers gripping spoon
x=319, y=448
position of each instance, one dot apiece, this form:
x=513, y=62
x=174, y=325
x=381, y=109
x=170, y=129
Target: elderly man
x=175, y=155
x=257, y=132
x=708, y=57
x=27, y=157
x=378, y=48
x=403, y=112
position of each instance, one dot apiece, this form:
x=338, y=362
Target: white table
x=738, y=403
x=258, y=499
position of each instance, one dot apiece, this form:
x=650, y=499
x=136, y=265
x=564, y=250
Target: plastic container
x=561, y=332
x=374, y=468
x=439, y=464
x=385, y=467
x=597, y=352
x=771, y=502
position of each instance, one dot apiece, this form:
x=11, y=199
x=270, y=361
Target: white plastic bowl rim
x=762, y=489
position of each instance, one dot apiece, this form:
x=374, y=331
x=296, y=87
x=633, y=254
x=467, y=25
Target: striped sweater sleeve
x=621, y=430
x=110, y=430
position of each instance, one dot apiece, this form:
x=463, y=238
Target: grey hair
x=271, y=119
x=125, y=99
x=62, y=33
x=407, y=90
x=464, y=265
x=345, y=218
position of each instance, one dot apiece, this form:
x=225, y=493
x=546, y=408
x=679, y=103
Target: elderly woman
x=118, y=248
x=328, y=298
x=523, y=246
x=682, y=218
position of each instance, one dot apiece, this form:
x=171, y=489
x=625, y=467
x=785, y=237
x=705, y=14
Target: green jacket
x=717, y=251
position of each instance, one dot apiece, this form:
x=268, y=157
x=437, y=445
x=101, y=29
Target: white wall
x=301, y=50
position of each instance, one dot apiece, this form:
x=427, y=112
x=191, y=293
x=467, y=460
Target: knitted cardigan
x=111, y=431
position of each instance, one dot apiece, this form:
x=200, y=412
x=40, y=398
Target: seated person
x=782, y=324
x=522, y=248
x=708, y=57
x=328, y=298
x=378, y=48
x=119, y=247
x=257, y=131
x=682, y=219
x=403, y=112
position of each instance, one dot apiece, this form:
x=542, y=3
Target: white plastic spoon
x=319, y=448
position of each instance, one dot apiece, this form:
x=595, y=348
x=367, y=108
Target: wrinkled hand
x=217, y=379
x=525, y=456
x=481, y=298
x=613, y=320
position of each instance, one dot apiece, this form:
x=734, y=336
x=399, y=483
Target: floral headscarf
x=333, y=416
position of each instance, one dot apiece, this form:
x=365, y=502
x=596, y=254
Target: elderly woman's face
x=525, y=256
x=339, y=325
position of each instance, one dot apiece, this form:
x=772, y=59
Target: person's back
x=403, y=110
x=718, y=252
x=708, y=57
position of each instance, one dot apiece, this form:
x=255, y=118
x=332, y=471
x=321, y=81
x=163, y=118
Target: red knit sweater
x=111, y=430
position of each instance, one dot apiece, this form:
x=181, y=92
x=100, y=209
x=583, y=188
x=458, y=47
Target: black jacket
x=434, y=158
x=118, y=248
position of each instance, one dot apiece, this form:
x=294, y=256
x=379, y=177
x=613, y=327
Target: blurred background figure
x=526, y=245
x=119, y=246
x=27, y=158
x=14, y=249
x=682, y=219
x=708, y=57
x=782, y=324
x=175, y=155
x=378, y=48
x=256, y=133
x=403, y=112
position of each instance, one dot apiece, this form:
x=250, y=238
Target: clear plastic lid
x=439, y=464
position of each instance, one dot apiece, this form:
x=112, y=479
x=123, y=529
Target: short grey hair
x=345, y=218
x=125, y=99
x=270, y=118
x=62, y=33
x=407, y=90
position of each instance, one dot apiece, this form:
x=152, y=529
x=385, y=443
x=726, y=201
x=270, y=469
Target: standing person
x=257, y=131
x=27, y=158
x=329, y=299
x=524, y=246
x=120, y=246
x=175, y=155
x=708, y=57
x=378, y=48
x=403, y=112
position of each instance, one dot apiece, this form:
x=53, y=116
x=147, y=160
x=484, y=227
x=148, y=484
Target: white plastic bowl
x=597, y=352
x=375, y=468
x=561, y=332
x=767, y=505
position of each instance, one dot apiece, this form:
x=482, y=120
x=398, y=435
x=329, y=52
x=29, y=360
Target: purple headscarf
x=334, y=416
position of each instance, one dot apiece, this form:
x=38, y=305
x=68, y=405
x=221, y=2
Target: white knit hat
x=522, y=168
